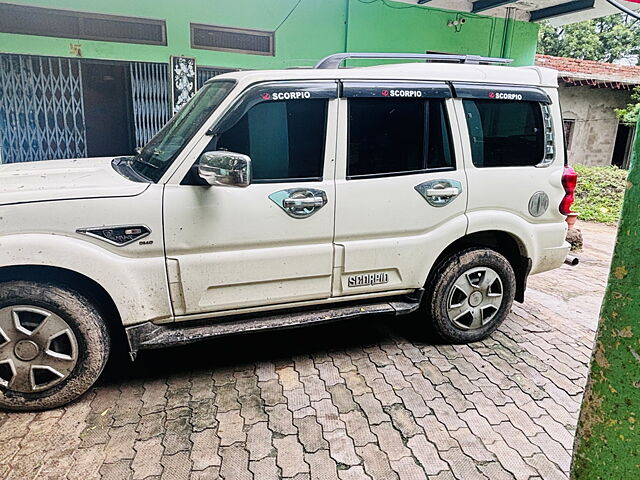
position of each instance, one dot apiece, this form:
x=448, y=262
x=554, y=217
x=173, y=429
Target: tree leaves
x=606, y=39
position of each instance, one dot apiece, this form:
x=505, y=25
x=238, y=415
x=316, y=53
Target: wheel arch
x=507, y=244
x=82, y=284
x=136, y=284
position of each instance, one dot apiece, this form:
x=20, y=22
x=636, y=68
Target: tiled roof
x=589, y=72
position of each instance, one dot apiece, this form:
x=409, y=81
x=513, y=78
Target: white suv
x=282, y=198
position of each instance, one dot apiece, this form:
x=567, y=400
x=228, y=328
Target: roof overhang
x=558, y=12
x=580, y=80
x=576, y=72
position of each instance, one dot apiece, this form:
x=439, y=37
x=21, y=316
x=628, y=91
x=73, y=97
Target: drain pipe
x=571, y=260
x=346, y=26
x=508, y=33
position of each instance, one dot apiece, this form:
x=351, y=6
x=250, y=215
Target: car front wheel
x=53, y=345
x=470, y=295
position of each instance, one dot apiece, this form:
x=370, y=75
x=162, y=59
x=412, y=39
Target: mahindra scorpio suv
x=280, y=198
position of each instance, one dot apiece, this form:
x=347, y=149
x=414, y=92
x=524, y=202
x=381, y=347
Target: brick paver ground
x=357, y=400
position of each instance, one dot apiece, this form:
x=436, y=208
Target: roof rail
x=335, y=60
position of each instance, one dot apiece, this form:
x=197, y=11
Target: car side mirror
x=228, y=169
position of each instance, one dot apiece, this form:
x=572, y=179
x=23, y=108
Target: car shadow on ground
x=266, y=346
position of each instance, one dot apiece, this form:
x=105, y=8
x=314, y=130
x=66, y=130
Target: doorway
x=107, y=111
x=622, y=147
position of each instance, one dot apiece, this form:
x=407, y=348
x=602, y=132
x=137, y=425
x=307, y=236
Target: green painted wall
x=314, y=29
x=377, y=27
x=607, y=441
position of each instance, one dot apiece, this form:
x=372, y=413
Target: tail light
x=569, y=181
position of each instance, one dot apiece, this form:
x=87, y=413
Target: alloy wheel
x=38, y=349
x=475, y=298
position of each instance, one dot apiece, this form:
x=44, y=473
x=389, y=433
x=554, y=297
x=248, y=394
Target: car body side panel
x=133, y=275
x=405, y=245
x=231, y=248
x=407, y=259
x=498, y=198
x=384, y=226
x=544, y=243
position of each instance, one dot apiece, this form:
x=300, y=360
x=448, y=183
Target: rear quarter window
x=505, y=133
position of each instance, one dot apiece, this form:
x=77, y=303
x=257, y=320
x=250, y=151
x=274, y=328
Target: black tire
x=91, y=347
x=439, y=291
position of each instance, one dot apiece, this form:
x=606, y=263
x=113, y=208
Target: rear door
x=401, y=192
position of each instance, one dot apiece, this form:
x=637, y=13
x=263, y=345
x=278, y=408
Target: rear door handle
x=441, y=192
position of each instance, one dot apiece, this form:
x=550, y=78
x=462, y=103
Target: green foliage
x=599, y=193
x=605, y=39
x=607, y=445
x=629, y=115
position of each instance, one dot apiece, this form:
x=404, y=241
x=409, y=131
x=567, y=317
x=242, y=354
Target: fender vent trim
x=118, y=235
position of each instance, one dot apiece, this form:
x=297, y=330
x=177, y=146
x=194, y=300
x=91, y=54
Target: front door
x=401, y=191
x=231, y=248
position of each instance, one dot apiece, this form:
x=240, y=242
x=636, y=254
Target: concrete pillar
x=607, y=443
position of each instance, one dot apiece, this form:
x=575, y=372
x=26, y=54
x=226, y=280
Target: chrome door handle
x=309, y=202
x=441, y=192
x=299, y=202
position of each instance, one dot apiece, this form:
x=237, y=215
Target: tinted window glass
x=439, y=150
x=285, y=139
x=505, y=133
x=388, y=136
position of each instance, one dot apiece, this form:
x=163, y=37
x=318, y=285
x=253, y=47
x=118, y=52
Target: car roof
x=533, y=76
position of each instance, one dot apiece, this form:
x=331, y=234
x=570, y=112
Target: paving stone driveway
x=356, y=400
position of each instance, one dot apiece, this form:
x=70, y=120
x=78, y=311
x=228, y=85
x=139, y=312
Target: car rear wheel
x=53, y=345
x=470, y=295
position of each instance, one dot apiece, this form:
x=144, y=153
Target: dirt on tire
x=88, y=327
x=440, y=284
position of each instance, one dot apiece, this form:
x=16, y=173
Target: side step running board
x=149, y=335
